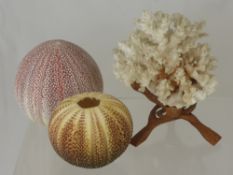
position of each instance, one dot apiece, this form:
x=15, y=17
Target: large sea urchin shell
x=51, y=72
x=91, y=129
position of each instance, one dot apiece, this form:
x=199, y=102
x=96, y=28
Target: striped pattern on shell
x=51, y=72
x=90, y=130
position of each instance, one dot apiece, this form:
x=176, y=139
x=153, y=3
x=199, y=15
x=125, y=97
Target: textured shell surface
x=90, y=130
x=51, y=72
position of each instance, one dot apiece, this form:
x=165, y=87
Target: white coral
x=163, y=55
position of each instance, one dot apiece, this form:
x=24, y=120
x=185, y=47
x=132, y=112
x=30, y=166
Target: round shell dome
x=90, y=130
x=51, y=72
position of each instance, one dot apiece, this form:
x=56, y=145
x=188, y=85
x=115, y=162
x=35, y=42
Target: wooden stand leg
x=153, y=121
x=142, y=135
x=211, y=136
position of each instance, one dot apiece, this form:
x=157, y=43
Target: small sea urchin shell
x=90, y=130
x=51, y=72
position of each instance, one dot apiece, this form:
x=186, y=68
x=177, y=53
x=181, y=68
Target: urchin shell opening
x=88, y=102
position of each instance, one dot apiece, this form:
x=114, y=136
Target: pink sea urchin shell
x=51, y=72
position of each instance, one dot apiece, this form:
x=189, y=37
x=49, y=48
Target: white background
x=97, y=26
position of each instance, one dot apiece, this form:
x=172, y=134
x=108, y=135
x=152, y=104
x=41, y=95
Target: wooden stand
x=162, y=114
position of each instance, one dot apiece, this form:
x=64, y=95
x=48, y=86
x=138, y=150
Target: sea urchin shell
x=51, y=72
x=90, y=130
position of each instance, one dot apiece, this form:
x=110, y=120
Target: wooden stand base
x=162, y=114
